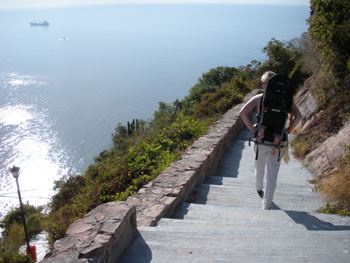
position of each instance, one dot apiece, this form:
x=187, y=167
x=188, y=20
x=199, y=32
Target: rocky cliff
x=324, y=158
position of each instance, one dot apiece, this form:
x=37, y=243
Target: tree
x=330, y=30
x=14, y=217
x=282, y=57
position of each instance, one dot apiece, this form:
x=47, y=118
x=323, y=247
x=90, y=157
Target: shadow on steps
x=131, y=254
x=313, y=223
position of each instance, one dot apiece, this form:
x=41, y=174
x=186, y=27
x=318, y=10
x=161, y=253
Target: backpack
x=273, y=111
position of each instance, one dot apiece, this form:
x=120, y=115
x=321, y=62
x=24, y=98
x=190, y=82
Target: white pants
x=270, y=160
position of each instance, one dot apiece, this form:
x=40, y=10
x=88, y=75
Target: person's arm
x=296, y=118
x=246, y=111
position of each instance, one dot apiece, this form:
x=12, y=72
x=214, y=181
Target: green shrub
x=218, y=102
x=330, y=30
x=15, y=237
x=209, y=81
x=14, y=217
x=10, y=244
x=148, y=159
x=9, y=256
x=67, y=189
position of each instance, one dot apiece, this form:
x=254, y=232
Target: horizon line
x=63, y=4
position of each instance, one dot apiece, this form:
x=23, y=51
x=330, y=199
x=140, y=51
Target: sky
x=9, y=4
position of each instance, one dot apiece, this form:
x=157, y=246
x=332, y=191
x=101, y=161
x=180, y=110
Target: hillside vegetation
x=327, y=57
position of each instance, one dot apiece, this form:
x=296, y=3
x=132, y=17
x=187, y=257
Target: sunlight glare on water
x=14, y=115
x=28, y=141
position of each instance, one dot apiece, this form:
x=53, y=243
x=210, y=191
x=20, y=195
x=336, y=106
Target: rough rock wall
x=324, y=157
x=306, y=102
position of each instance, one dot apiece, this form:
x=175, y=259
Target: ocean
x=65, y=87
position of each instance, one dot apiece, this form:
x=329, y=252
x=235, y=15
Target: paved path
x=225, y=223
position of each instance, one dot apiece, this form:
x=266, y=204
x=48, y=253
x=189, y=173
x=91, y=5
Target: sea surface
x=65, y=87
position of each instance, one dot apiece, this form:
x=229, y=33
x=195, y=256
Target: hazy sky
x=4, y=4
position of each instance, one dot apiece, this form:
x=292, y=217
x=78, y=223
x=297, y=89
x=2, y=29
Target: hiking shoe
x=260, y=193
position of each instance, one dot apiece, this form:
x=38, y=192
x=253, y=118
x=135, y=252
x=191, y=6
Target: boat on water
x=39, y=23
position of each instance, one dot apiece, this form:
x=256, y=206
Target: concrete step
x=141, y=252
x=159, y=246
x=250, y=216
x=253, y=228
x=283, y=189
x=244, y=197
x=248, y=175
x=276, y=205
x=144, y=253
x=230, y=181
x=260, y=233
x=197, y=225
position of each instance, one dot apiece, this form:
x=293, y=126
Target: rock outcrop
x=323, y=159
x=306, y=102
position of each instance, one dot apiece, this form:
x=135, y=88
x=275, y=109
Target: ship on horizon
x=39, y=23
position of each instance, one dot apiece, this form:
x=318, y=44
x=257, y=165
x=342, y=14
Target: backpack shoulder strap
x=260, y=105
x=260, y=109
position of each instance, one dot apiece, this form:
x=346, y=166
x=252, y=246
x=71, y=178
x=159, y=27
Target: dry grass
x=301, y=147
x=335, y=187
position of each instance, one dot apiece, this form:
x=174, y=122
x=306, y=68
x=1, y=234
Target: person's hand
x=253, y=130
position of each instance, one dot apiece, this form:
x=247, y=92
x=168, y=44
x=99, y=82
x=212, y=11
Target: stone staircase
x=225, y=223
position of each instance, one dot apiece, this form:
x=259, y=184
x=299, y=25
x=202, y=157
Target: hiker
x=269, y=146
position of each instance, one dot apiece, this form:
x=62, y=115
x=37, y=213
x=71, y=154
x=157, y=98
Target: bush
x=213, y=104
x=209, y=81
x=67, y=189
x=15, y=237
x=147, y=160
x=14, y=217
x=8, y=256
x=223, y=98
x=10, y=245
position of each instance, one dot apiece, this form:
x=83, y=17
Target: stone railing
x=104, y=233
x=101, y=236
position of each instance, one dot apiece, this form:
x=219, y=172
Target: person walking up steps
x=269, y=132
